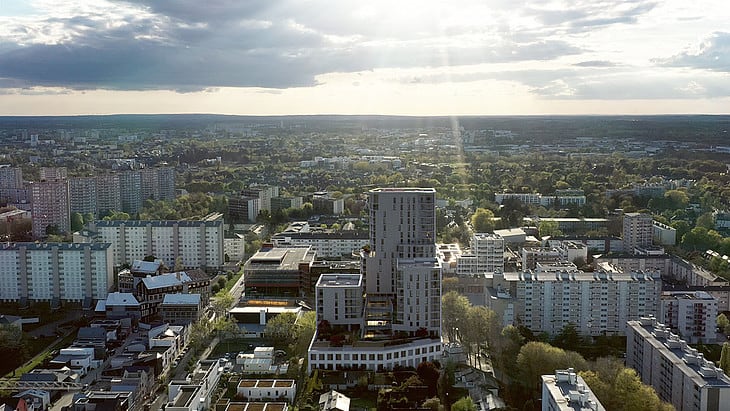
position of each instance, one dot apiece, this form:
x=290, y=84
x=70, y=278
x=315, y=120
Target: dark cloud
x=587, y=14
x=713, y=54
x=196, y=45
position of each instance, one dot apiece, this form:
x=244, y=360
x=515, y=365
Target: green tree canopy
x=482, y=220
x=464, y=404
x=454, y=310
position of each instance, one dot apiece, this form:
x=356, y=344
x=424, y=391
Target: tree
x=222, y=302
x=306, y=325
x=77, y=221
x=433, y=404
x=12, y=343
x=723, y=323
x=483, y=220
x=200, y=333
x=464, y=404
x=429, y=373
x=538, y=358
x=88, y=217
x=549, y=228
x=482, y=325
x=725, y=358
x=706, y=220
x=280, y=330
x=622, y=390
x=116, y=215
x=454, y=309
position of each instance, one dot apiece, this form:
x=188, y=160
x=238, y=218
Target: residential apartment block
x=55, y=272
x=693, y=315
x=50, y=207
x=567, y=391
x=185, y=243
x=638, y=231
x=679, y=373
x=486, y=254
x=401, y=316
x=553, y=296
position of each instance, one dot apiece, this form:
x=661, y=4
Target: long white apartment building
x=551, y=296
x=327, y=244
x=55, y=272
x=691, y=314
x=486, y=254
x=196, y=243
x=678, y=373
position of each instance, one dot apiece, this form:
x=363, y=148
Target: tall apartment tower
x=108, y=194
x=638, y=231
x=402, y=226
x=10, y=177
x=50, y=206
x=82, y=195
x=166, y=183
x=130, y=189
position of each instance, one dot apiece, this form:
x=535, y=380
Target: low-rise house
x=267, y=390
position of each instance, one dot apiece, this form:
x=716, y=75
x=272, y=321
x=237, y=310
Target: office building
x=278, y=272
x=693, y=315
x=638, y=232
x=82, y=195
x=679, y=374
x=50, y=207
x=55, y=272
x=567, y=391
x=179, y=244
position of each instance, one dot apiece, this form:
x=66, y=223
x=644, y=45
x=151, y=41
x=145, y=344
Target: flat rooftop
x=339, y=280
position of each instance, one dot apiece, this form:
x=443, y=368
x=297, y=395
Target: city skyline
x=421, y=58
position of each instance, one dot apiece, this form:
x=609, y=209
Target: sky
x=398, y=57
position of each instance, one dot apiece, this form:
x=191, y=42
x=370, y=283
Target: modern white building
x=340, y=299
x=194, y=393
x=267, y=390
x=691, y=314
x=401, y=322
x=196, y=243
x=679, y=373
x=327, y=244
x=553, y=296
x=486, y=254
x=55, y=272
x=664, y=234
x=567, y=391
x=263, y=193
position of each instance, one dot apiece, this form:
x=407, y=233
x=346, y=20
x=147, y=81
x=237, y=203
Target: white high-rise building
x=553, y=296
x=679, y=373
x=567, y=391
x=402, y=225
x=55, y=272
x=692, y=314
x=402, y=284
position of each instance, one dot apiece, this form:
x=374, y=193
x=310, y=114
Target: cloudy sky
x=421, y=57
